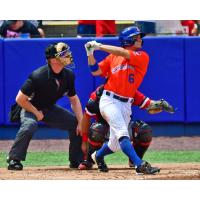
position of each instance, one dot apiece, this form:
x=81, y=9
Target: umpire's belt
x=122, y=99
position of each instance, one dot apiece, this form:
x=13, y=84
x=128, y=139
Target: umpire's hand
x=39, y=115
x=78, y=129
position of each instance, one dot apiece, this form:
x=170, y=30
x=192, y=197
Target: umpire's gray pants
x=56, y=117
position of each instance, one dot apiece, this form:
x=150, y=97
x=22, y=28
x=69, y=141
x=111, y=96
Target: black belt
x=123, y=99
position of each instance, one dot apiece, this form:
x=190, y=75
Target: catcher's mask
x=97, y=132
x=60, y=50
x=126, y=37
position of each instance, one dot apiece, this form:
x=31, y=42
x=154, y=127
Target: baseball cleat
x=100, y=163
x=146, y=168
x=14, y=165
x=85, y=165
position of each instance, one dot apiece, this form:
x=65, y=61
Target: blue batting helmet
x=126, y=36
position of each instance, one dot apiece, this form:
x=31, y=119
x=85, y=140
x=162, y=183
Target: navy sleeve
x=28, y=87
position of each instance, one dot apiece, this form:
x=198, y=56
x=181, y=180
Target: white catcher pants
x=117, y=114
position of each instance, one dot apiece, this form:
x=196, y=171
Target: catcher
x=95, y=135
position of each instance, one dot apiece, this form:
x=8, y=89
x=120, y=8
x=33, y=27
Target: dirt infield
x=158, y=143
x=180, y=171
x=168, y=172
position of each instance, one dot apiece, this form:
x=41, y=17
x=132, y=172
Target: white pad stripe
x=144, y=102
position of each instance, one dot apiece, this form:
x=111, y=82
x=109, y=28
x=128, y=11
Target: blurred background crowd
x=94, y=28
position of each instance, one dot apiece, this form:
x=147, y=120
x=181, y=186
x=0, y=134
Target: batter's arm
x=93, y=45
x=95, y=70
x=118, y=51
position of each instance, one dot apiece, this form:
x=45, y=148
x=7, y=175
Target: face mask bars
x=67, y=53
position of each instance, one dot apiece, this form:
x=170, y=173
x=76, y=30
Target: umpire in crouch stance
x=37, y=98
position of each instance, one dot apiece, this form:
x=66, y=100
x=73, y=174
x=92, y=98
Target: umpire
x=37, y=98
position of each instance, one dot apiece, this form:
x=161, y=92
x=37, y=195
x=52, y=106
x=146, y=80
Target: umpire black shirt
x=44, y=87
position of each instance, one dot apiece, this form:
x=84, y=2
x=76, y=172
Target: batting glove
x=89, y=49
x=95, y=44
x=91, y=46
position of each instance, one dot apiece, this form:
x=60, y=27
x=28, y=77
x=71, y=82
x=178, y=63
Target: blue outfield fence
x=173, y=73
x=2, y=82
x=165, y=77
x=192, y=79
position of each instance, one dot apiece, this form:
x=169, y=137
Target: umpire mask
x=61, y=51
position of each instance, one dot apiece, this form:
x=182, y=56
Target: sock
x=105, y=150
x=128, y=149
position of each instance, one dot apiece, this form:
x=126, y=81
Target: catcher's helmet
x=126, y=35
x=97, y=132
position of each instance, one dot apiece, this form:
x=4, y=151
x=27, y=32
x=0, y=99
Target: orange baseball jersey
x=124, y=75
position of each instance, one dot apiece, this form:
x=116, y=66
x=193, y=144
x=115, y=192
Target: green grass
x=159, y=157
x=61, y=158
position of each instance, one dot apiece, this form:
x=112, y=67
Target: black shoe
x=73, y=165
x=14, y=165
x=100, y=163
x=85, y=165
x=145, y=168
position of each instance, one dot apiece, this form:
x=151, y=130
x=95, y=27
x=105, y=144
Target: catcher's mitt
x=159, y=106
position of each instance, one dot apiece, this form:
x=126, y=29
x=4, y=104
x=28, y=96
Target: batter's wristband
x=84, y=137
x=94, y=68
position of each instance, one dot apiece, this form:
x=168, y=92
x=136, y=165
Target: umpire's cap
x=56, y=50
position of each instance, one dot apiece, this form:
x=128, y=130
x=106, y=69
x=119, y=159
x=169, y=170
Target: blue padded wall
x=164, y=78
x=1, y=83
x=172, y=74
x=192, y=79
x=22, y=56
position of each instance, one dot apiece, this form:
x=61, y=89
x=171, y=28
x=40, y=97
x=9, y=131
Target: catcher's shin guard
x=142, y=137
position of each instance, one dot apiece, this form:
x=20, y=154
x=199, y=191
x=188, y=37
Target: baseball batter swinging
x=125, y=68
x=95, y=134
